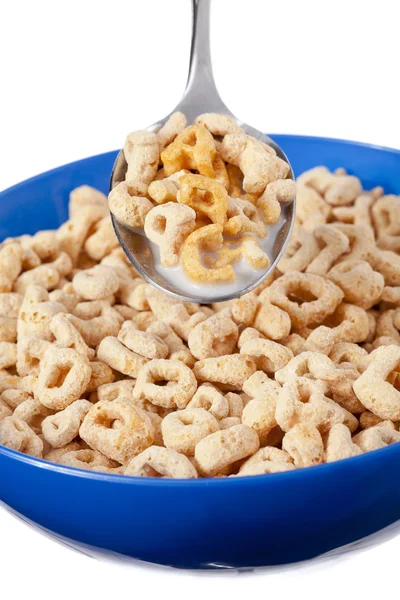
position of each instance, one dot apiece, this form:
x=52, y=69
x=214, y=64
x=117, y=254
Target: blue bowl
x=237, y=522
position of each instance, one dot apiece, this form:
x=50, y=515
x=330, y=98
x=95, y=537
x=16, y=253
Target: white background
x=76, y=76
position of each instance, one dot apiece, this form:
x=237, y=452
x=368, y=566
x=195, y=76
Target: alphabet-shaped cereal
x=221, y=449
x=168, y=226
x=161, y=462
x=183, y=429
x=117, y=429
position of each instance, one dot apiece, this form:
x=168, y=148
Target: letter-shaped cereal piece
x=209, y=237
x=128, y=204
x=193, y=148
x=221, y=449
x=117, y=429
x=167, y=226
x=161, y=462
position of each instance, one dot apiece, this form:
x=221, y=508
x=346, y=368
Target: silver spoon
x=201, y=96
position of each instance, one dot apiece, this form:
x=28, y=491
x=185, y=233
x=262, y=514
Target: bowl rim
x=238, y=480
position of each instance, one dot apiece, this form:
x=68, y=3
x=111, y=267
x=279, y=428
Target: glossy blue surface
x=236, y=522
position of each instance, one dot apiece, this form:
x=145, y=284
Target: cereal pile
x=101, y=371
x=203, y=194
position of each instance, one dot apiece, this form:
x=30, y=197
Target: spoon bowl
x=201, y=96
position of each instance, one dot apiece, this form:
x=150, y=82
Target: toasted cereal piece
x=181, y=383
x=183, y=429
x=142, y=342
x=63, y=427
x=371, y=388
x=118, y=357
x=117, y=429
x=10, y=265
x=267, y=355
x=168, y=226
x=128, y=203
x=97, y=283
x=221, y=449
x=17, y=435
x=276, y=192
x=173, y=127
x=55, y=454
x=63, y=377
x=211, y=237
x=209, y=398
x=267, y=460
x=231, y=370
x=87, y=459
x=335, y=243
x=206, y=196
x=244, y=217
x=215, y=336
x=161, y=462
x=270, y=320
x=166, y=189
x=326, y=297
x=218, y=124
x=339, y=444
x=256, y=160
x=311, y=208
x=142, y=156
x=379, y=436
x=300, y=251
x=8, y=355
x=361, y=285
x=304, y=444
x=193, y=148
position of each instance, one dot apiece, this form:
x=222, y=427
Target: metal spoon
x=201, y=96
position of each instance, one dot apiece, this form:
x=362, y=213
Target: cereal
x=173, y=127
x=360, y=284
x=117, y=429
x=128, y=203
x=222, y=449
x=217, y=124
x=303, y=286
x=161, y=462
x=256, y=160
x=96, y=284
x=168, y=226
x=193, y=148
x=304, y=444
x=63, y=377
x=276, y=192
x=339, y=444
x=215, y=336
x=300, y=252
x=100, y=371
x=211, y=238
x=205, y=196
x=166, y=189
x=85, y=459
x=238, y=183
x=212, y=400
x=231, y=370
x=371, y=388
x=63, y=427
x=180, y=388
x=378, y=436
x=17, y=435
x=117, y=356
x=183, y=429
x=267, y=460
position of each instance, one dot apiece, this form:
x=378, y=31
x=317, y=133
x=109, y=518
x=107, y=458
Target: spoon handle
x=201, y=94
